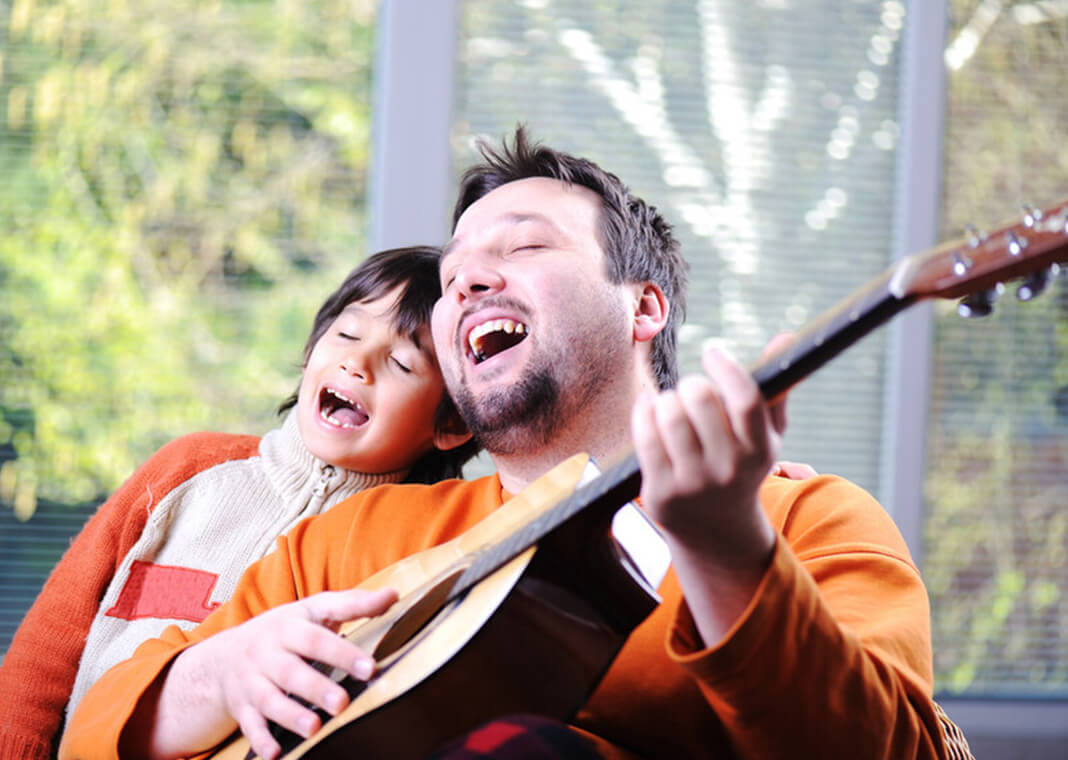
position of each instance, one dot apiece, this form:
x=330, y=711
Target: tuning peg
x=975, y=237
x=1014, y=243
x=979, y=304
x=1031, y=215
x=1034, y=284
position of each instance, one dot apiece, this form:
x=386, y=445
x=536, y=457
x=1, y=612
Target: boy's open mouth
x=490, y=338
x=340, y=410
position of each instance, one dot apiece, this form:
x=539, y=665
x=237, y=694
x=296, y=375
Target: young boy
x=170, y=544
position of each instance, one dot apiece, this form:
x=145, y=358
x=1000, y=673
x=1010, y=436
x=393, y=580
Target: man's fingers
x=742, y=400
x=254, y=728
x=330, y=608
x=682, y=444
x=293, y=675
x=777, y=343
x=794, y=470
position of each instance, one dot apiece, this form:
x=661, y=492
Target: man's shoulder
x=828, y=510
x=407, y=500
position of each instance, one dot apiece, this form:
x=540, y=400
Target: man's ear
x=651, y=310
x=452, y=435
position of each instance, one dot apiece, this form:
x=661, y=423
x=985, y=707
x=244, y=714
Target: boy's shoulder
x=196, y=452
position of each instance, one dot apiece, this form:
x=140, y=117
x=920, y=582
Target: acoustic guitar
x=496, y=621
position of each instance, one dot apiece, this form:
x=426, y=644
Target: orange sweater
x=832, y=658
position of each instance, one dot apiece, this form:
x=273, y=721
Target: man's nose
x=477, y=278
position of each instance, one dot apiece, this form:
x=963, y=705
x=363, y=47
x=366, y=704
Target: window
x=997, y=528
x=182, y=183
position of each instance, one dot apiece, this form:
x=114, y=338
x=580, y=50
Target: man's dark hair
x=637, y=241
x=415, y=271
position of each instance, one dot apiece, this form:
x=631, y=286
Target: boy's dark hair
x=637, y=241
x=415, y=270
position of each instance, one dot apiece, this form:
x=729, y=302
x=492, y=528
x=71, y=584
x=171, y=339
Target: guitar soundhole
x=416, y=615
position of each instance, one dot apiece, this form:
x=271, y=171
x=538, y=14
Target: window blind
x=765, y=132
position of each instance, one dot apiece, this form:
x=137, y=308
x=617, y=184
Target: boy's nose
x=354, y=366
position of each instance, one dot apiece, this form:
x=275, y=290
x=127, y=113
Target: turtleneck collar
x=293, y=470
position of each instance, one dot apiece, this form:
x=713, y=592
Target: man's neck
x=517, y=471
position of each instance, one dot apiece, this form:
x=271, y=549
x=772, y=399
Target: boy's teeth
x=335, y=421
x=349, y=415
x=341, y=396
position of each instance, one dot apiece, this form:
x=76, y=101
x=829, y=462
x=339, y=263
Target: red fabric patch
x=492, y=736
x=165, y=591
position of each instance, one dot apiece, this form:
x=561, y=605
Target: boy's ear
x=452, y=435
x=651, y=310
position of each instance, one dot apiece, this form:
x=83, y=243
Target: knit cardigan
x=166, y=548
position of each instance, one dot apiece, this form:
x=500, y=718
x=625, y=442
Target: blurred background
x=183, y=182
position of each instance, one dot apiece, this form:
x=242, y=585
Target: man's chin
x=508, y=420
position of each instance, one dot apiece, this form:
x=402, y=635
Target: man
x=793, y=623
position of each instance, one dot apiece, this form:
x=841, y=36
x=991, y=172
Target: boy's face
x=368, y=395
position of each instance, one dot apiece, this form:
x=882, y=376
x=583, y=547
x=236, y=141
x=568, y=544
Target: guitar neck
x=813, y=347
x=828, y=336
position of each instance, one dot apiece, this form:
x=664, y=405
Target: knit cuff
x=24, y=747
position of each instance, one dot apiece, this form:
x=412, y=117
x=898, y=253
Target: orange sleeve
x=326, y=552
x=832, y=658
x=38, y=671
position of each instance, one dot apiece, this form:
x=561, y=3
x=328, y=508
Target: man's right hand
x=243, y=677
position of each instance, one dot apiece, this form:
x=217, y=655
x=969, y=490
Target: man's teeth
x=474, y=338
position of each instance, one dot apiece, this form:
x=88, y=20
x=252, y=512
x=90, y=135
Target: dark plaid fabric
x=519, y=737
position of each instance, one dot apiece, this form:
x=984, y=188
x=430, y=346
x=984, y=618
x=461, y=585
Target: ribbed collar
x=294, y=471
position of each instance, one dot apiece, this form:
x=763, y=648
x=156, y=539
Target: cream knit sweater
x=201, y=535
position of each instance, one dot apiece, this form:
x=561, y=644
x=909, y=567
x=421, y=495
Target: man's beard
x=508, y=420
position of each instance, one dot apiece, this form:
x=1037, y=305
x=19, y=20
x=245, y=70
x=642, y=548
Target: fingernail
x=333, y=703
x=363, y=669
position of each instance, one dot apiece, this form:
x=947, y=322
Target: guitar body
x=534, y=636
x=542, y=650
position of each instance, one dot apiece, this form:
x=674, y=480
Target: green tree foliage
x=183, y=182
x=996, y=557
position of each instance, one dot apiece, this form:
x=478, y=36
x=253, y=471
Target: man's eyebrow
x=510, y=219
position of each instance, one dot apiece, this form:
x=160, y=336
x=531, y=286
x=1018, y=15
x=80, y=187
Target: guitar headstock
x=975, y=267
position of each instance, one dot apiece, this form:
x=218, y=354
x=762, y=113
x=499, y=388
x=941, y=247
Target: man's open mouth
x=338, y=409
x=490, y=338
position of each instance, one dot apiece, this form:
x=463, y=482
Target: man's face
x=528, y=324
